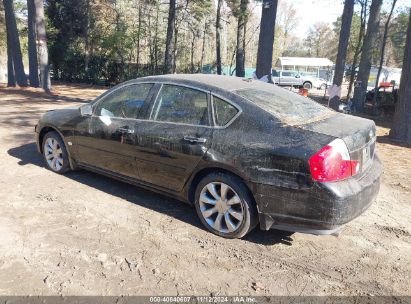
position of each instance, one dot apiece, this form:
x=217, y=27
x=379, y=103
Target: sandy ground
x=85, y=234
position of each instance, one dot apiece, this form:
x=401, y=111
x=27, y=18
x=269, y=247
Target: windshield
x=288, y=107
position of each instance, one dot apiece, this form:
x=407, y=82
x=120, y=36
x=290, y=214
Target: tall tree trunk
x=241, y=28
x=14, y=43
x=231, y=71
x=346, y=19
x=150, y=40
x=401, y=129
x=139, y=35
x=156, y=38
x=383, y=43
x=42, y=46
x=175, y=49
x=266, y=39
x=366, y=55
x=11, y=80
x=170, y=39
x=357, y=51
x=218, y=37
x=193, y=41
x=32, y=47
x=87, y=39
x=203, y=46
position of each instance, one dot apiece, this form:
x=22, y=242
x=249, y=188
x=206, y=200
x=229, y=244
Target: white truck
x=295, y=79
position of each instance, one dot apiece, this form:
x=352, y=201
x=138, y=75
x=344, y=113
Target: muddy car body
x=242, y=151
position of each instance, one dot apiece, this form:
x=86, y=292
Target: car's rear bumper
x=322, y=209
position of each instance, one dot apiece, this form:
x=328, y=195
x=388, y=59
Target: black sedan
x=243, y=152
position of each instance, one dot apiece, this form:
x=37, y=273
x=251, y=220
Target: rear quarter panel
x=265, y=150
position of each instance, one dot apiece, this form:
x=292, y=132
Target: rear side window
x=181, y=105
x=223, y=111
x=288, y=107
x=125, y=102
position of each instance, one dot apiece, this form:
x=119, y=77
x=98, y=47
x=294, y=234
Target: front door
x=107, y=139
x=175, y=138
x=288, y=78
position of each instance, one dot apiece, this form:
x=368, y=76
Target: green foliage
x=354, y=34
x=321, y=41
x=101, y=69
x=2, y=30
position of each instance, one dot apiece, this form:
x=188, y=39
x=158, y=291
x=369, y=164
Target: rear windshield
x=288, y=107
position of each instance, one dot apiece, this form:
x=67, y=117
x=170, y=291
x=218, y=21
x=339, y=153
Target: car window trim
x=96, y=103
x=151, y=100
x=239, y=110
x=154, y=101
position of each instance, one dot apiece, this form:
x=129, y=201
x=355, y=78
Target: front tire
x=55, y=153
x=307, y=85
x=225, y=206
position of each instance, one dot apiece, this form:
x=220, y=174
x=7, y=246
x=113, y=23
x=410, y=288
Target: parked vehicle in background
x=295, y=79
x=386, y=99
x=243, y=152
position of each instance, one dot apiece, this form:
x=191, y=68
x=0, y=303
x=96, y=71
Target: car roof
x=207, y=81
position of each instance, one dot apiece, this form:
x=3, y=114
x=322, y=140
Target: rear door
x=175, y=137
x=107, y=139
x=286, y=78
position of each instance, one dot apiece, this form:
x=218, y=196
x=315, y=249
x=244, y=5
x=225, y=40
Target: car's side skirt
x=135, y=182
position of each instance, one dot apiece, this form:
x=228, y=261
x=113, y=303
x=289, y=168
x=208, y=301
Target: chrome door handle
x=193, y=139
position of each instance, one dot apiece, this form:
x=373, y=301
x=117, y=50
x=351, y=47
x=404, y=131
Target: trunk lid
x=358, y=134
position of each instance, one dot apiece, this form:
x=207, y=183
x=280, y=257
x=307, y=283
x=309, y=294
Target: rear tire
x=54, y=153
x=225, y=205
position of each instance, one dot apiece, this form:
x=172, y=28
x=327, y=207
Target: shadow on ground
x=386, y=139
x=42, y=97
x=27, y=154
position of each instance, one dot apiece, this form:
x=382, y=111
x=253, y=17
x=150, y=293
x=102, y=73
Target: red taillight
x=333, y=163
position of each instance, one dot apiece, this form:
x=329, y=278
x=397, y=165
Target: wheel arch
x=201, y=173
x=44, y=130
x=50, y=128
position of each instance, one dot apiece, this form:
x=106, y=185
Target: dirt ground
x=85, y=234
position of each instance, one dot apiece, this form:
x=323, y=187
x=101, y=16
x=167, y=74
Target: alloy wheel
x=221, y=207
x=53, y=154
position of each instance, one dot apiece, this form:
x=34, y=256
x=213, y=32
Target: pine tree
x=401, y=129
x=15, y=62
x=366, y=55
x=266, y=38
x=346, y=20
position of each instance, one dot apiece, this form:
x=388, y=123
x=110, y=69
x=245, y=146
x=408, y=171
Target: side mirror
x=297, y=76
x=86, y=110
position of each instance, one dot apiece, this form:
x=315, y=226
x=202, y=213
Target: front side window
x=125, y=102
x=181, y=105
x=223, y=111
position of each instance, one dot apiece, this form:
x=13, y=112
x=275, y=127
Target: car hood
x=60, y=116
